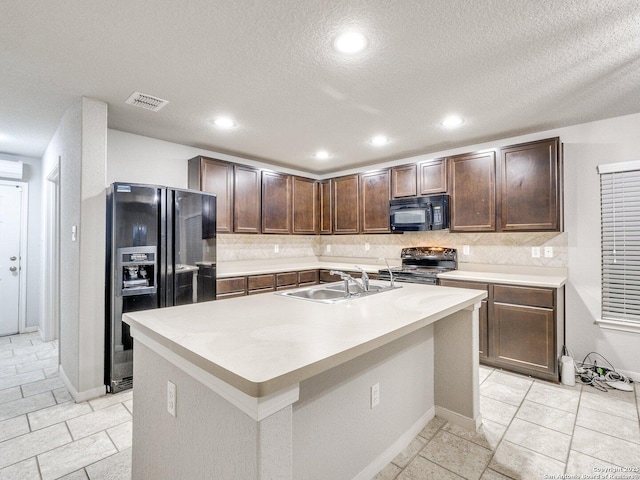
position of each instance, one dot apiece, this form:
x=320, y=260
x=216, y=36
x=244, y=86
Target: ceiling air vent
x=146, y=101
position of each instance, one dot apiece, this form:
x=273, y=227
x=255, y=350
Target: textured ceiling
x=508, y=67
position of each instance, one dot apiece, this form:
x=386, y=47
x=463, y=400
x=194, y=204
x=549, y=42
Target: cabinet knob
x=13, y=259
x=13, y=269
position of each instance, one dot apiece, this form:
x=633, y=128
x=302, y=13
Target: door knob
x=13, y=259
x=13, y=269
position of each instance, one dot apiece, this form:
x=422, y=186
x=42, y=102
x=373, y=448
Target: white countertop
x=232, y=269
x=529, y=280
x=263, y=343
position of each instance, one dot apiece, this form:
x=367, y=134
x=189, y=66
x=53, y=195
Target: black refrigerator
x=161, y=251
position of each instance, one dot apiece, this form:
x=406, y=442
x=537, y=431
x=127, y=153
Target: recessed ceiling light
x=452, y=121
x=380, y=140
x=224, y=122
x=322, y=155
x=350, y=42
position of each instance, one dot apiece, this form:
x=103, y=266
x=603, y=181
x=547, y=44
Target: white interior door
x=10, y=230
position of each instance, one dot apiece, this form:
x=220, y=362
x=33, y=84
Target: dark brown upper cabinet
x=214, y=176
x=530, y=186
x=375, y=192
x=346, y=205
x=306, y=214
x=472, y=187
x=246, y=199
x=326, y=207
x=276, y=202
x=404, y=181
x=433, y=176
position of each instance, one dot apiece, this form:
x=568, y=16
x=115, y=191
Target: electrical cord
x=597, y=375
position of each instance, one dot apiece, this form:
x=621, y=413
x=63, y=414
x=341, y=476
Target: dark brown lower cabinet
x=261, y=283
x=520, y=328
x=287, y=280
x=231, y=287
x=308, y=277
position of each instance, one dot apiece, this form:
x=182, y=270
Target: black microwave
x=416, y=214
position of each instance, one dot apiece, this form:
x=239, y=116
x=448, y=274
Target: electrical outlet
x=367, y=246
x=171, y=398
x=465, y=249
x=276, y=248
x=548, y=252
x=535, y=252
x=375, y=395
x=328, y=248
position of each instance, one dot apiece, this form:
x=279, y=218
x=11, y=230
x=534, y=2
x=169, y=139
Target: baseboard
x=31, y=329
x=83, y=396
x=472, y=424
x=394, y=449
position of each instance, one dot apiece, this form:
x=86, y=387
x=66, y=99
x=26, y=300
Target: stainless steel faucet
x=347, y=278
x=365, y=278
x=390, y=272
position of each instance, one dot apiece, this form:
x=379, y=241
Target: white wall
x=586, y=146
x=32, y=174
x=80, y=143
x=134, y=158
x=66, y=144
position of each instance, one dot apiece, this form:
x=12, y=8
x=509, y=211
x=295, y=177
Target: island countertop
x=264, y=343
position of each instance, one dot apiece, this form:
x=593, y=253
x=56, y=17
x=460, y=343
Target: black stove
x=422, y=265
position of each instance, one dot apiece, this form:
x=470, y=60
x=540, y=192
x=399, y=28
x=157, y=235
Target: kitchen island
x=281, y=388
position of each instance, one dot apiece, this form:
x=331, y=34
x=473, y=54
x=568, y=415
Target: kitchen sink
x=334, y=292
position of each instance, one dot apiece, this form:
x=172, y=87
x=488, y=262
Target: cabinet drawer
x=230, y=295
x=261, y=282
x=536, y=297
x=308, y=277
x=231, y=285
x=286, y=279
x=463, y=284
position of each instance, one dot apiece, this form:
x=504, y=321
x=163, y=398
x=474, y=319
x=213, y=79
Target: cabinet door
x=404, y=181
x=326, y=207
x=433, y=176
x=375, y=190
x=215, y=176
x=346, y=204
x=246, y=200
x=531, y=189
x=276, y=203
x=523, y=337
x=305, y=206
x=483, y=314
x=472, y=186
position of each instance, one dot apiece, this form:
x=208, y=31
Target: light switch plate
x=548, y=252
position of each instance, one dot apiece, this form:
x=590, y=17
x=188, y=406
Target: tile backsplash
x=484, y=248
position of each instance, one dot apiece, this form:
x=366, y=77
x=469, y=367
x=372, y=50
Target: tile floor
x=531, y=429
x=43, y=433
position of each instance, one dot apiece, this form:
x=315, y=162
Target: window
x=620, y=236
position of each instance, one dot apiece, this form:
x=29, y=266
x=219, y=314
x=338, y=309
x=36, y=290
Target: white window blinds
x=620, y=222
